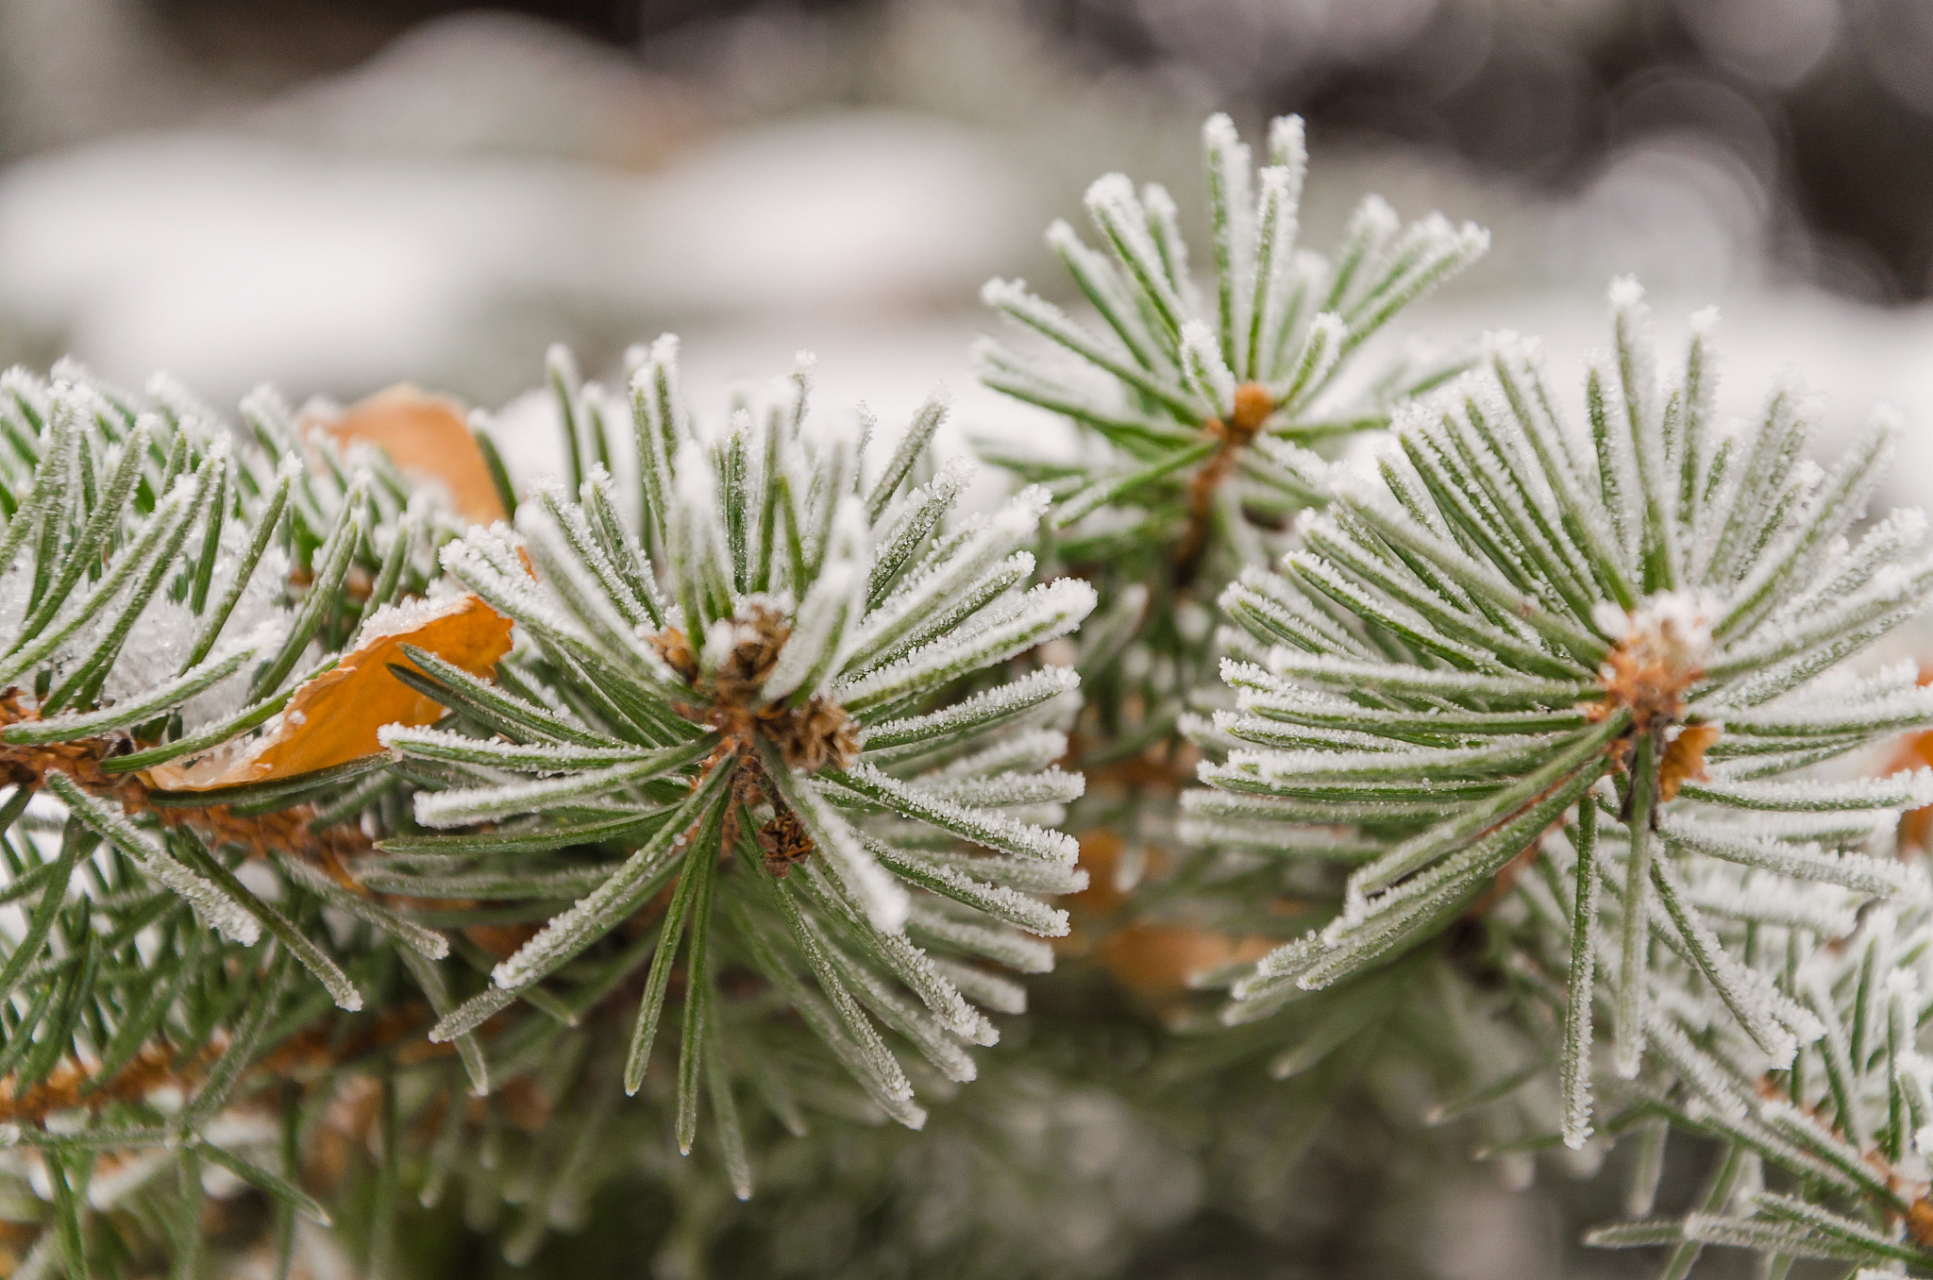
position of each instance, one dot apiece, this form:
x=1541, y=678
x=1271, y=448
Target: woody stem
x=1252, y=406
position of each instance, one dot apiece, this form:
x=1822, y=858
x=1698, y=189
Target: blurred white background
x=334, y=201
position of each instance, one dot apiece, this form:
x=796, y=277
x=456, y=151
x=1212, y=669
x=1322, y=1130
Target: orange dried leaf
x=1684, y=758
x=333, y=718
x=1919, y=1221
x=1157, y=961
x=1915, y=752
x=426, y=436
x=1101, y=852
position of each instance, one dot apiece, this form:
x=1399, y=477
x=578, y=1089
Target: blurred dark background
x=337, y=194
x=1829, y=104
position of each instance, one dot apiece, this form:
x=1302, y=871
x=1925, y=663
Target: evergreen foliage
x=169, y=585
x=1198, y=408
x=755, y=725
x=1630, y=633
x=1179, y=383
x=1540, y=767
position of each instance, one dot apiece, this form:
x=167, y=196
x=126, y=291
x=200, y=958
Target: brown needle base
x=1253, y=404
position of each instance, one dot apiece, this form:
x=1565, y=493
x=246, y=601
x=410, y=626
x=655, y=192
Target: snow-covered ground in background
x=444, y=212
x=1852, y=357
x=228, y=260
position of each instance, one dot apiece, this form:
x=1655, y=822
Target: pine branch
x=743, y=734
x=1513, y=628
x=168, y=585
x=1203, y=404
x=1532, y=772
x=1493, y=579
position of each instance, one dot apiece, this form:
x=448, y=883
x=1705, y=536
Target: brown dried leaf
x=1916, y=825
x=333, y=719
x=1157, y=961
x=1684, y=758
x=427, y=436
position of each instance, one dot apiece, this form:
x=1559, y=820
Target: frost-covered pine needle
x=1512, y=610
x=767, y=750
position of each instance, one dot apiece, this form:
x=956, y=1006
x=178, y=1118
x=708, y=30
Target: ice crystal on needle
x=1846, y=1119
x=1202, y=403
x=754, y=663
x=168, y=584
x=1617, y=633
